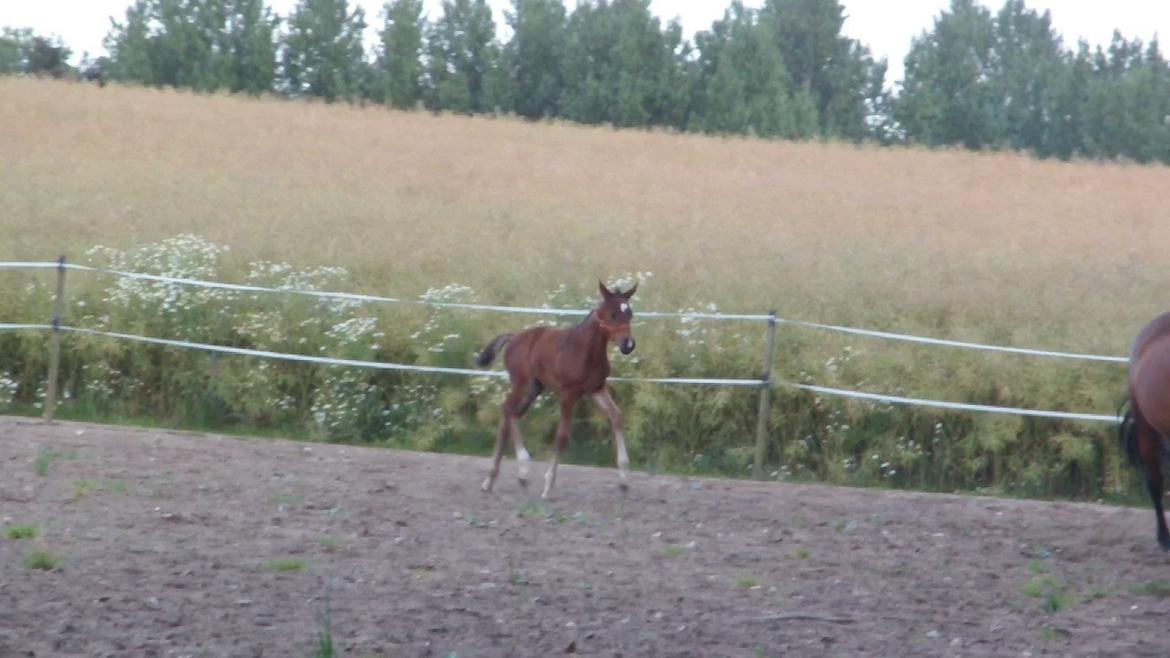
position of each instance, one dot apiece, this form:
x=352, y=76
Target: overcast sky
x=886, y=26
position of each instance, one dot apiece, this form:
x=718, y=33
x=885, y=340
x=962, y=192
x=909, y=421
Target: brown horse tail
x=489, y=353
x=1127, y=434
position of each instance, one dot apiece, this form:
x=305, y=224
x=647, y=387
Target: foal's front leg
x=567, y=402
x=610, y=407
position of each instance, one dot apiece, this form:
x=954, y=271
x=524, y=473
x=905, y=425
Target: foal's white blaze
x=625, y=307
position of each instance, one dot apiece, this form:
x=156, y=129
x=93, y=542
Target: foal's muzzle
x=627, y=345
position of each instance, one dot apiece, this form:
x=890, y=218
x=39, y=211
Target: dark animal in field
x=1145, y=428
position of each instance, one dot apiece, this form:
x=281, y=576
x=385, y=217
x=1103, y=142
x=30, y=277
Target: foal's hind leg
x=1150, y=448
x=550, y=477
x=509, y=424
x=497, y=453
x=522, y=458
x=534, y=390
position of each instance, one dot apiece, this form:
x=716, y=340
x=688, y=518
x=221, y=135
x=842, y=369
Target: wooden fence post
x=55, y=342
x=765, y=400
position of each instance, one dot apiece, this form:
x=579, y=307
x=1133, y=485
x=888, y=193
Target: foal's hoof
x=486, y=486
x=1165, y=546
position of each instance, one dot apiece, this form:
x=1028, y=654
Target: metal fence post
x=55, y=342
x=765, y=400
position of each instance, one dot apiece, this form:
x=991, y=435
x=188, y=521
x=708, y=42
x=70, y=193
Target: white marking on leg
x=550, y=476
x=619, y=438
x=522, y=462
x=623, y=459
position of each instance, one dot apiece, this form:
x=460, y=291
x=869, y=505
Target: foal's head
x=614, y=315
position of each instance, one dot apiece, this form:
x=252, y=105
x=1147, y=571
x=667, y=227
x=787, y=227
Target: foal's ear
x=630, y=293
x=604, y=291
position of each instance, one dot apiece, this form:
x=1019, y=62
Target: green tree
x=622, y=67
x=249, y=39
x=201, y=44
x=130, y=43
x=1063, y=132
x=744, y=86
x=637, y=41
x=1127, y=105
x=677, y=79
x=180, y=45
x=48, y=56
x=23, y=52
x=844, y=80
x=399, y=61
x=947, y=96
x=322, y=53
x=533, y=59
x=464, y=58
x=587, y=95
x=1026, y=71
x=14, y=44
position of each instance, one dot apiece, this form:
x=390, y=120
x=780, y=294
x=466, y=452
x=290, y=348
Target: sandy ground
x=170, y=543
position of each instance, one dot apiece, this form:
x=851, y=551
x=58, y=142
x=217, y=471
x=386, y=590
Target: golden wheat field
x=971, y=246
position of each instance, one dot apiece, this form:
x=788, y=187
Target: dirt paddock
x=181, y=544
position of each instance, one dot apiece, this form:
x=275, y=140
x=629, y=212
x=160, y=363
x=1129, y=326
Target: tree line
x=978, y=79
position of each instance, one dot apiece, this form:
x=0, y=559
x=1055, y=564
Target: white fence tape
x=512, y=309
x=664, y=380
x=531, y=310
x=238, y=287
x=380, y=365
x=956, y=343
x=266, y=354
x=28, y=265
x=527, y=310
x=962, y=406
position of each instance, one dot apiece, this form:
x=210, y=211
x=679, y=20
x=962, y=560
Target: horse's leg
x=523, y=459
x=497, y=454
x=508, y=425
x=606, y=402
x=567, y=402
x=1150, y=448
x=534, y=390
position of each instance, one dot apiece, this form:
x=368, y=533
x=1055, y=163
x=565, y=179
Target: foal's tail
x=489, y=353
x=1127, y=432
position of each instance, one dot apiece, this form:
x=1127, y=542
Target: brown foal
x=571, y=361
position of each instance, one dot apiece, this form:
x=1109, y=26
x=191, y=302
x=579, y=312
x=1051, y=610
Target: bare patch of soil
x=181, y=544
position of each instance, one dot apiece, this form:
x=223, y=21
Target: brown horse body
x=1146, y=425
x=574, y=363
